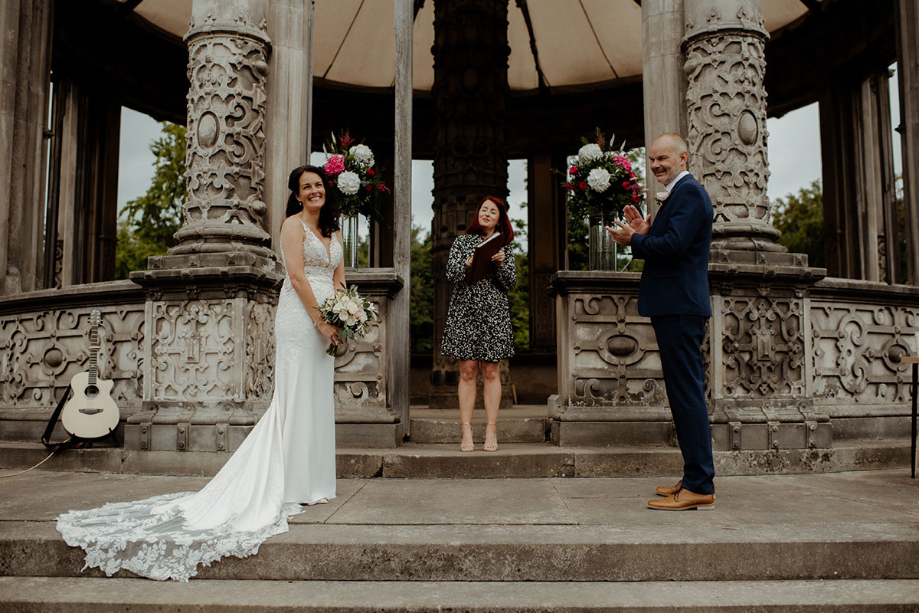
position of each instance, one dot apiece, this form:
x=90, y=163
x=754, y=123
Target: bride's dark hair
x=328, y=214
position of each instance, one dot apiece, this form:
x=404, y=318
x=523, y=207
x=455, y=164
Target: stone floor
x=840, y=541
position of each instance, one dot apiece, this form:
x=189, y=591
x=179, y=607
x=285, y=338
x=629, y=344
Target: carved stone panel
x=857, y=350
x=609, y=356
x=40, y=351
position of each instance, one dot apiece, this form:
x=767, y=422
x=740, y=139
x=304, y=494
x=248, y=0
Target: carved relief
x=857, y=349
x=763, y=347
x=613, y=354
x=226, y=138
x=727, y=124
x=361, y=371
x=260, y=351
x=41, y=351
x=194, y=351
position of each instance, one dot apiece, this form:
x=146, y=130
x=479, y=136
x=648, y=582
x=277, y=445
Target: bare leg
x=491, y=373
x=469, y=372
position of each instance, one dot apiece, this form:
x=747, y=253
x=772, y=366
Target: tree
x=421, y=318
x=519, y=297
x=799, y=217
x=148, y=223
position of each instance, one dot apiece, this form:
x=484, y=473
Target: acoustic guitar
x=90, y=412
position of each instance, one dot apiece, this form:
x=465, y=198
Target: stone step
x=39, y=595
x=694, y=551
x=519, y=424
x=511, y=460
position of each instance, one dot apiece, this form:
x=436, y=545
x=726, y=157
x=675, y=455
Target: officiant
x=478, y=331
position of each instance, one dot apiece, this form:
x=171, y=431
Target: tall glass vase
x=350, y=226
x=602, y=247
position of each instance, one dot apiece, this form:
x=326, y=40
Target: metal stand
x=914, y=389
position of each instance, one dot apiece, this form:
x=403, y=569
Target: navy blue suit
x=674, y=294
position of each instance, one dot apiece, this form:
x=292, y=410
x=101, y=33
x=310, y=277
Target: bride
x=289, y=457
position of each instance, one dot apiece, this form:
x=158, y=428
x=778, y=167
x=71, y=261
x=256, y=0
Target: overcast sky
x=794, y=160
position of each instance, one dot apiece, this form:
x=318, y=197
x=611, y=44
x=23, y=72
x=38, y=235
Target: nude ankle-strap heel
x=492, y=446
x=464, y=447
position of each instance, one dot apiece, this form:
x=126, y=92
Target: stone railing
x=792, y=361
x=195, y=341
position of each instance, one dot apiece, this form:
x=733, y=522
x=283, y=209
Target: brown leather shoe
x=684, y=500
x=663, y=490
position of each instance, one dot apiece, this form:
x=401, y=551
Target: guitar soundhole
x=91, y=391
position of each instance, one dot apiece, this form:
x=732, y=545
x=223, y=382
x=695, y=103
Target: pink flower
x=623, y=162
x=370, y=172
x=368, y=187
x=583, y=186
x=573, y=170
x=625, y=184
x=635, y=198
x=335, y=166
x=383, y=188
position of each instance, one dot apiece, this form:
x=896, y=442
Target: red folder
x=481, y=259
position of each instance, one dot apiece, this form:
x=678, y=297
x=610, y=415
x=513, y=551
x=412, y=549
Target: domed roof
x=569, y=42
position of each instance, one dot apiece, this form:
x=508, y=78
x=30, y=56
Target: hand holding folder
x=481, y=259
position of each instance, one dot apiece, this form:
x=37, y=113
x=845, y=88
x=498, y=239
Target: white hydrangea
x=348, y=182
x=598, y=179
x=362, y=154
x=590, y=152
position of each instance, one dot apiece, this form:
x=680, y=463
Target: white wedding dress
x=287, y=459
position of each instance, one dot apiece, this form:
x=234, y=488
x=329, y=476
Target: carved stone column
x=758, y=351
x=228, y=49
x=470, y=148
x=209, y=360
x=725, y=66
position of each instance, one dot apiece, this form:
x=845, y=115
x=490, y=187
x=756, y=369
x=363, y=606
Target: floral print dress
x=479, y=320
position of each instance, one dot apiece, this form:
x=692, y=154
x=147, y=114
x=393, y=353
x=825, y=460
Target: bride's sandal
x=467, y=444
x=491, y=437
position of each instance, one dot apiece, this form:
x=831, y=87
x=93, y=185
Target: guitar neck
x=93, y=369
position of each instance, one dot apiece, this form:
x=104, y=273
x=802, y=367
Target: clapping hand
x=634, y=223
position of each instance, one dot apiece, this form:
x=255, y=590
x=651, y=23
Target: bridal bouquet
x=601, y=181
x=349, y=168
x=351, y=312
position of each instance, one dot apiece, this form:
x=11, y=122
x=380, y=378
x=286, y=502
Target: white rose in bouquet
x=598, y=179
x=590, y=152
x=349, y=182
x=362, y=154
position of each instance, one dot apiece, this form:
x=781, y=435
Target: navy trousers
x=679, y=338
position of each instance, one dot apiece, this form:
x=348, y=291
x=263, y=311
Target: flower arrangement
x=601, y=181
x=349, y=168
x=348, y=310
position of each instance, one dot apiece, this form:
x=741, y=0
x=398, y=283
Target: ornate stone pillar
x=470, y=147
x=758, y=349
x=725, y=65
x=209, y=356
x=908, y=62
x=228, y=48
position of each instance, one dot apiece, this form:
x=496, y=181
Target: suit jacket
x=674, y=280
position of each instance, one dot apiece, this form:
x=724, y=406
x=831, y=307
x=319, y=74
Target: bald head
x=668, y=154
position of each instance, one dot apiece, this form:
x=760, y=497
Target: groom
x=674, y=294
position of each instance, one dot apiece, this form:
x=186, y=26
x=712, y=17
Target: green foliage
x=421, y=319
x=519, y=297
x=133, y=251
x=148, y=223
x=799, y=217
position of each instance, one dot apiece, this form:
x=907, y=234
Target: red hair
x=504, y=222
